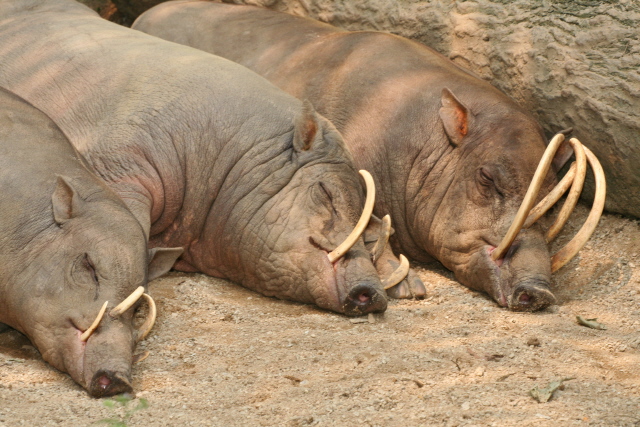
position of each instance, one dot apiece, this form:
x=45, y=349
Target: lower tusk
x=529, y=198
x=565, y=254
x=144, y=330
x=381, y=244
x=351, y=240
x=127, y=303
x=140, y=357
x=87, y=334
x=552, y=198
x=574, y=194
x=398, y=275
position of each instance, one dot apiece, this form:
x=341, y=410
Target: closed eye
x=486, y=180
x=485, y=177
x=88, y=264
x=322, y=195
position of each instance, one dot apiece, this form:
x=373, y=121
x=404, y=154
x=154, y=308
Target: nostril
x=109, y=383
x=104, y=382
x=531, y=296
x=364, y=297
x=361, y=294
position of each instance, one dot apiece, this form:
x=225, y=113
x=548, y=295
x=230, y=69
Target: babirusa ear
x=455, y=116
x=161, y=260
x=65, y=200
x=306, y=128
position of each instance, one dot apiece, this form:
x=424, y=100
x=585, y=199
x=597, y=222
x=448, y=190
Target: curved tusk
x=383, y=239
x=127, y=303
x=398, y=275
x=144, y=330
x=86, y=334
x=140, y=357
x=351, y=240
x=551, y=198
x=565, y=254
x=529, y=198
x=574, y=194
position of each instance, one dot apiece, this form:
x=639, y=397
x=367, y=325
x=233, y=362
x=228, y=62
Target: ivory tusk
x=144, y=330
x=551, y=198
x=127, y=303
x=140, y=357
x=574, y=194
x=565, y=254
x=398, y=275
x=86, y=334
x=344, y=247
x=383, y=239
x=529, y=198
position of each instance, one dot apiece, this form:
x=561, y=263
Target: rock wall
x=572, y=63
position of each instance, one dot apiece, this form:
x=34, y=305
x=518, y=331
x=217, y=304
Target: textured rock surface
x=571, y=63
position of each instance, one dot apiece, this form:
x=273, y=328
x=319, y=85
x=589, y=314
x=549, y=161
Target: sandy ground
x=221, y=355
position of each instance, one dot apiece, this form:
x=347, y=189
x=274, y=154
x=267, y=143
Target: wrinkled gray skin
x=451, y=155
x=67, y=244
x=208, y=155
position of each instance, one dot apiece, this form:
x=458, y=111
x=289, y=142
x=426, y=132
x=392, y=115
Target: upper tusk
x=144, y=330
x=529, y=198
x=551, y=198
x=351, y=240
x=574, y=194
x=86, y=334
x=565, y=254
x=383, y=239
x=398, y=275
x=127, y=303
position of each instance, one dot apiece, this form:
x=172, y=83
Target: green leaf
x=142, y=404
x=109, y=403
x=123, y=399
x=590, y=323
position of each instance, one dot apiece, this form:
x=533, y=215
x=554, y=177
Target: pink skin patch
x=498, y=262
x=104, y=382
x=363, y=297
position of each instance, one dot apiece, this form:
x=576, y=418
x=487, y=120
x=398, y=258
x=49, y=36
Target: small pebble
x=533, y=341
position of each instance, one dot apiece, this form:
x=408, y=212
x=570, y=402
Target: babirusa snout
x=526, y=216
x=531, y=296
x=109, y=383
x=344, y=247
x=364, y=298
